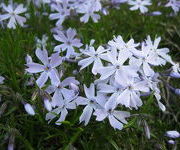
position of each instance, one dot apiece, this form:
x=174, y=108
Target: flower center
x=110, y=111
x=118, y=67
x=130, y=87
x=47, y=68
x=96, y=55
x=13, y=14
x=63, y=13
x=68, y=43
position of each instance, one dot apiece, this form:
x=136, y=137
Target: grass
x=34, y=133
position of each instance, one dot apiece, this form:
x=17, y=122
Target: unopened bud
x=29, y=109
x=177, y=91
x=171, y=142
x=47, y=105
x=173, y=134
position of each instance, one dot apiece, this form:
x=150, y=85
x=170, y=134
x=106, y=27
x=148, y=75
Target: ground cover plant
x=89, y=74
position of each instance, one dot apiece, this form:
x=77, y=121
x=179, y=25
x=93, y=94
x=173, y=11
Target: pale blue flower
x=47, y=70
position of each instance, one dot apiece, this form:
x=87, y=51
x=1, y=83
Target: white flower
x=60, y=90
x=130, y=97
x=139, y=4
x=116, y=118
x=152, y=82
x=29, y=109
x=159, y=56
x=90, y=101
x=48, y=69
x=93, y=57
x=116, y=66
x=14, y=15
x=130, y=47
x=65, y=104
x=144, y=60
x=68, y=42
x=173, y=134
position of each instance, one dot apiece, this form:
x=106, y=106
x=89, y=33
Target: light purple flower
x=48, y=69
x=115, y=117
x=29, y=109
x=13, y=14
x=64, y=105
x=89, y=11
x=61, y=90
x=68, y=42
x=62, y=13
x=173, y=134
x=174, y=4
x=130, y=97
x=116, y=66
x=91, y=102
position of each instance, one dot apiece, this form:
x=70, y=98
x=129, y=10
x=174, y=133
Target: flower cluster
x=66, y=9
x=126, y=72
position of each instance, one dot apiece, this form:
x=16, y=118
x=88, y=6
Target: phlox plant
x=126, y=73
x=105, y=83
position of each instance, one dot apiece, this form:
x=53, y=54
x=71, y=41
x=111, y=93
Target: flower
x=60, y=90
x=159, y=56
x=63, y=12
x=90, y=101
x=13, y=15
x=69, y=42
x=68, y=102
x=116, y=118
x=29, y=109
x=130, y=96
x=116, y=66
x=139, y=4
x=174, y=4
x=48, y=69
x=173, y=134
x=144, y=60
x=89, y=11
x=93, y=57
x=129, y=48
x=175, y=70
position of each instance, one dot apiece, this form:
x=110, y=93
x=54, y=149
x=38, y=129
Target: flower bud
x=29, y=109
x=173, y=134
x=171, y=142
x=177, y=91
x=47, y=105
x=156, y=13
